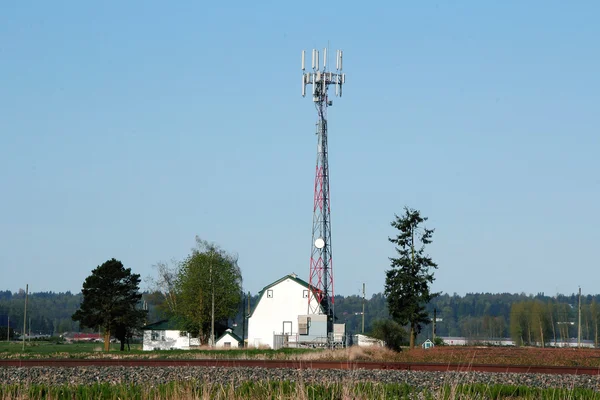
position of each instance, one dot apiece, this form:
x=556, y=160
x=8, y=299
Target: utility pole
x=29, y=329
x=243, y=318
x=248, y=314
x=434, y=319
x=212, y=286
x=25, y=316
x=8, y=330
x=363, y=313
x=579, y=322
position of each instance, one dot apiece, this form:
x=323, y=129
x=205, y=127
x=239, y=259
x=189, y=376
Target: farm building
x=366, y=341
x=163, y=335
x=228, y=340
x=279, y=318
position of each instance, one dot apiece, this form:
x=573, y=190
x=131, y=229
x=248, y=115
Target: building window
x=270, y=293
x=305, y=294
x=182, y=333
x=154, y=335
x=227, y=344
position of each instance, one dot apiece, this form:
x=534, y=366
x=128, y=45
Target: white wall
x=367, y=341
x=167, y=340
x=227, y=338
x=287, y=303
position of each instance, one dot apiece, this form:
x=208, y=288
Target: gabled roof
x=162, y=325
x=291, y=276
x=230, y=333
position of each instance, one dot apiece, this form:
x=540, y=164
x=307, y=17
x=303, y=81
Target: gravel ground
x=157, y=375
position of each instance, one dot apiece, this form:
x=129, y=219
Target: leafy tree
x=4, y=330
x=407, y=284
x=110, y=296
x=390, y=332
x=207, y=289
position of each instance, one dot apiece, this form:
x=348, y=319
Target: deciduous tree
x=110, y=299
x=207, y=288
x=407, y=284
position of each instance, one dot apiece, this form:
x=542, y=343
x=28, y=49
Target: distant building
x=366, y=341
x=163, y=335
x=82, y=337
x=229, y=340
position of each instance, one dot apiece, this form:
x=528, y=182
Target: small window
x=182, y=333
x=305, y=294
x=154, y=335
x=227, y=344
x=270, y=293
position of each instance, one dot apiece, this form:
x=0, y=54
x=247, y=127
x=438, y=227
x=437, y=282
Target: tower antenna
x=321, y=265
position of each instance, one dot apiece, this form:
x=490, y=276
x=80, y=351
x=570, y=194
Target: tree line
x=203, y=294
x=474, y=315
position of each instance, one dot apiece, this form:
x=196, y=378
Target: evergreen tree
x=407, y=284
x=110, y=296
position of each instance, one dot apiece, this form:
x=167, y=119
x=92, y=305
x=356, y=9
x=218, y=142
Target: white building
x=277, y=312
x=163, y=335
x=228, y=340
x=367, y=341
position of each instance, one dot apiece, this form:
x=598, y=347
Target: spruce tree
x=407, y=284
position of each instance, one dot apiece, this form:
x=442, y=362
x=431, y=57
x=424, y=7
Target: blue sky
x=127, y=128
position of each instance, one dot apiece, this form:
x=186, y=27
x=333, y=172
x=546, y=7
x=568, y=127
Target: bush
x=392, y=333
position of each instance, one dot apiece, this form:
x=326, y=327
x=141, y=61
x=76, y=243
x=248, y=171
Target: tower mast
x=321, y=266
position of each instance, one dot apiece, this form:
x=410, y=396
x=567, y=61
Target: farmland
x=443, y=354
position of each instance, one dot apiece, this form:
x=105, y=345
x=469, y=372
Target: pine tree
x=407, y=285
x=110, y=296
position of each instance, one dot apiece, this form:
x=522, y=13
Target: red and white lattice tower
x=321, y=265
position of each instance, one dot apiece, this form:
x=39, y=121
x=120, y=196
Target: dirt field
x=485, y=355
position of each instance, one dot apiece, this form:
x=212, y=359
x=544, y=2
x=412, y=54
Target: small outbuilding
x=228, y=340
x=163, y=335
x=367, y=341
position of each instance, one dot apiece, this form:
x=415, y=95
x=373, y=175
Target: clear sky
x=129, y=127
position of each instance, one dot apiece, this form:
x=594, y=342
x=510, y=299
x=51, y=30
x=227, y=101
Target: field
x=442, y=354
x=295, y=389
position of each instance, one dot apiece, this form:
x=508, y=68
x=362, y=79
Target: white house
x=277, y=312
x=228, y=340
x=367, y=341
x=163, y=335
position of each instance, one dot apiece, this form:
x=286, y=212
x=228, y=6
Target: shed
x=164, y=335
x=228, y=340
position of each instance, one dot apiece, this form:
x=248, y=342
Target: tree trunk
x=412, y=337
x=107, y=340
x=541, y=331
x=123, y=345
x=553, y=329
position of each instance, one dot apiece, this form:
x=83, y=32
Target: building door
x=287, y=327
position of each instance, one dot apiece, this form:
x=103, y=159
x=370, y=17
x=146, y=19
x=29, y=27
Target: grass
x=44, y=349
x=443, y=354
x=286, y=390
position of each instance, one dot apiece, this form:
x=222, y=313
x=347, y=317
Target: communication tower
x=321, y=266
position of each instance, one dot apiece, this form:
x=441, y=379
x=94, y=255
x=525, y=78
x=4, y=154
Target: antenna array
x=320, y=76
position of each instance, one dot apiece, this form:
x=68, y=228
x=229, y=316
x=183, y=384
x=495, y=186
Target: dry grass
x=288, y=391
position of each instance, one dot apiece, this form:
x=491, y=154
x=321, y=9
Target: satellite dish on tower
x=319, y=243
